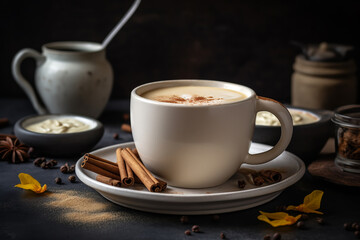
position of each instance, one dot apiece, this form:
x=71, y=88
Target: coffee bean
x=116, y=136
x=347, y=226
x=184, y=219
x=58, y=180
x=267, y=237
x=72, y=178
x=222, y=235
x=188, y=232
x=357, y=234
x=44, y=165
x=195, y=228
x=276, y=236
x=64, y=168
x=320, y=220
x=38, y=161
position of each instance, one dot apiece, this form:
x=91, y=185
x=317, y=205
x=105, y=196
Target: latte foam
x=194, y=95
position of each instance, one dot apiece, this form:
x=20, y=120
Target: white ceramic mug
x=70, y=78
x=201, y=146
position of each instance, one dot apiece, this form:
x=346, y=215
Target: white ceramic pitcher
x=70, y=77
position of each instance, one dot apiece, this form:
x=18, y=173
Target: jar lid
x=348, y=116
x=325, y=52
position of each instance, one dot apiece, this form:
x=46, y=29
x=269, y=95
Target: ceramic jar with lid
x=323, y=84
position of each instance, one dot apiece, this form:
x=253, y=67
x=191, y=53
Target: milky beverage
x=194, y=95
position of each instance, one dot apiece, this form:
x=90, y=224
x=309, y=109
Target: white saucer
x=224, y=198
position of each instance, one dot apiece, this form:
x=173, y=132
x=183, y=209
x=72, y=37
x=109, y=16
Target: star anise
x=12, y=150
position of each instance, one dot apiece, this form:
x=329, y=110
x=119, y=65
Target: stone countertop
x=26, y=215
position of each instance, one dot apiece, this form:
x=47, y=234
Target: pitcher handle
x=24, y=84
x=281, y=112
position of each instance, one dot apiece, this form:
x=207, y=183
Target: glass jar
x=347, y=137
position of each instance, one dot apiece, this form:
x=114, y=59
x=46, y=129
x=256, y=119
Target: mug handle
x=281, y=112
x=24, y=84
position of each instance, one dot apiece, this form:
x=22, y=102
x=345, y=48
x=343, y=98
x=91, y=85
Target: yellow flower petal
x=30, y=183
x=313, y=200
x=311, y=203
x=281, y=218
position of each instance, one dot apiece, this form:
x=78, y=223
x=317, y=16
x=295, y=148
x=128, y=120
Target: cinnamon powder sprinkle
x=76, y=207
x=195, y=100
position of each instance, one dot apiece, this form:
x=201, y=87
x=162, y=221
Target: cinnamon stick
x=126, y=174
x=150, y=182
x=109, y=181
x=106, y=165
x=99, y=158
x=271, y=176
x=91, y=167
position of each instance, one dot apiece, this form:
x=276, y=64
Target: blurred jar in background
x=324, y=77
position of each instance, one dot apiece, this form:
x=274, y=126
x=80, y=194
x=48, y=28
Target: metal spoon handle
x=122, y=22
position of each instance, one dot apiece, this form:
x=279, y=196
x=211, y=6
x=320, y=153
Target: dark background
x=247, y=42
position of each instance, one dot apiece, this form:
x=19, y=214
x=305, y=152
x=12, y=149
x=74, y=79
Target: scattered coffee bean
x=115, y=136
x=304, y=217
x=64, y=168
x=357, y=234
x=51, y=163
x=188, y=232
x=357, y=227
x=300, y=224
x=241, y=183
x=72, y=178
x=58, y=180
x=347, y=226
x=38, y=161
x=222, y=235
x=184, y=219
x=215, y=217
x=30, y=151
x=44, y=165
x=126, y=117
x=195, y=228
x=267, y=237
x=72, y=169
x=320, y=220
x=354, y=225
x=276, y=236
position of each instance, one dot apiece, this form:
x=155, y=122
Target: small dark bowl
x=307, y=140
x=59, y=145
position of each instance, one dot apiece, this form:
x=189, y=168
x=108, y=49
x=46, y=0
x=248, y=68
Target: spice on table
x=13, y=151
x=222, y=235
x=116, y=136
x=72, y=179
x=311, y=203
x=357, y=234
x=300, y=224
x=72, y=168
x=267, y=237
x=29, y=183
x=184, y=219
x=38, y=161
x=58, y=180
x=64, y=168
x=43, y=165
x=126, y=127
x=195, y=228
x=187, y=232
x=276, y=236
x=126, y=174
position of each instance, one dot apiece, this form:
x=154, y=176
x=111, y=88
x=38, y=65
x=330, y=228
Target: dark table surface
x=26, y=215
